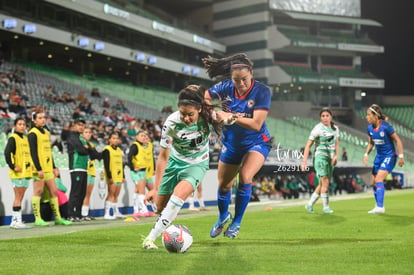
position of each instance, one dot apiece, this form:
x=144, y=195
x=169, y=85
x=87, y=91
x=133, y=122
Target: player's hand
x=150, y=196
x=56, y=172
x=303, y=167
x=40, y=174
x=334, y=160
x=365, y=160
x=401, y=162
x=17, y=169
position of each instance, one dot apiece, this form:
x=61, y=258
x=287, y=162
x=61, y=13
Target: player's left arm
x=400, y=149
x=255, y=123
x=335, y=158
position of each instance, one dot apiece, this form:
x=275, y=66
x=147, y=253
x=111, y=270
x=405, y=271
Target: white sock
x=325, y=200
x=108, y=206
x=201, y=202
x=168, y=215
x=314, y=197
x=15, y=216
x=116, y=209
x=141, y=205
x=135, y=205
x=191, y=202
x=85, y=210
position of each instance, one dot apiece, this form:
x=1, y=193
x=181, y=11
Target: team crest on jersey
x=381, y=134
x=250, y=103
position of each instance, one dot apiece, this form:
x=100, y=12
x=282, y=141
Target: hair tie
x=240, y=65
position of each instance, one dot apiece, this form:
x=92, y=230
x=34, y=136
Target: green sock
x=54, y=204
x=36, y=207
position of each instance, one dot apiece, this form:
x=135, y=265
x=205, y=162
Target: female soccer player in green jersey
x=183, y=159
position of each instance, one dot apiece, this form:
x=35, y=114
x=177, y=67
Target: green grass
x=283, y=240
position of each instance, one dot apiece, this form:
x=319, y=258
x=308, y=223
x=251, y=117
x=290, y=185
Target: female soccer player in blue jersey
x=382, y=135
x=246, y=139
x=183, y=159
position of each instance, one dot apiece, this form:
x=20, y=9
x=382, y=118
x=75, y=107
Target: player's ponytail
x=376, y=110
x=222, y=67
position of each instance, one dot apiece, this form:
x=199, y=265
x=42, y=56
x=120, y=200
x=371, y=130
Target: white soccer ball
x=177, y=238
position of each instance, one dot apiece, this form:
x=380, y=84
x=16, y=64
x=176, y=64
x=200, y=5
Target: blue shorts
x=232, y=155
x=386, y=163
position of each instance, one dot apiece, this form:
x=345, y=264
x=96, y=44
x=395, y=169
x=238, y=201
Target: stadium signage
x=116, y=12
x=315, y=80
x=300, y=43
x=361, y=48
x=361, y=82
x=162, y=27
x=201, y=40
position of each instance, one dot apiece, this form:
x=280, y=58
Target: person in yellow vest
x=17, y=155
x=141, y=164
x=87, y=134
x=114, y=171
x=44, y=171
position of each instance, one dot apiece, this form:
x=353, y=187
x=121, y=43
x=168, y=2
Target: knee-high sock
x=201, y=202
x=54, y=204
x=223, y=201
x=375, y=195
x=314, y=197
x=191, y=202
x=141, y=204
x=36, y=207
x=85, y=210
x=244, y=192
x=325, y=200
x=379, y=194
x=166, y=217
x=108, y=206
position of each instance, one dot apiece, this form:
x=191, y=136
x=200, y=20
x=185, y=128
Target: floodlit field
x=285, y=239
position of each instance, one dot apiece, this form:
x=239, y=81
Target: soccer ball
x=177, y=238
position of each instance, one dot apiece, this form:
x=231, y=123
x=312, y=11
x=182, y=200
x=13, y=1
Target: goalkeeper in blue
x=183, y=159
x=382, y=135
x=246, y=140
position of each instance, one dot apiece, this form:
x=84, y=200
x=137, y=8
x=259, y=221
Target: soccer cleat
x=149, y=244
x=109, y=217
x=218, y=226
x=377, y=210
x=74, y=219
x=204, y=209
x=41, y=222
x=309, y=208
x=328, y=211
x=86, y=218
x=232, y=231
x=19, y=225
x=193, y=209
x=119, y=216
x=62, y=221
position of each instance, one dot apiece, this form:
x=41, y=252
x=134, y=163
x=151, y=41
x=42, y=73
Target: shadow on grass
x=398, y=220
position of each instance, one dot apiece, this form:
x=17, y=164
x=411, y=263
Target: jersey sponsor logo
x=381, y=134
x=378, y=141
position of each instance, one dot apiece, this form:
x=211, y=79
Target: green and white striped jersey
x=188, y=144
x=324, y=138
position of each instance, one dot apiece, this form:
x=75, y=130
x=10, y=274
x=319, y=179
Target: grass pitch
x=282, y=240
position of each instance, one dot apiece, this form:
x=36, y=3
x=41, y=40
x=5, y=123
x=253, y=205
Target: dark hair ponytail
x=376, y=110
x=222, y=67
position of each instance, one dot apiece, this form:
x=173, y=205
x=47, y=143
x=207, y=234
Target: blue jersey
x=257, y=98
x=382, y=138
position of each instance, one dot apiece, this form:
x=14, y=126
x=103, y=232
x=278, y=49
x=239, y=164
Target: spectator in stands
x=81, y=97
x=114, y=171
x=179, y=171
x=76, y=113
x=325, y=135
x=344, y=154
x=44, y=171
x=382, y=135
x=105, y=103
x=17, y=155
x=245, y=137
x=95, y=92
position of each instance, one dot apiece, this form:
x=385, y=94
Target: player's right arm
x=368, y=150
